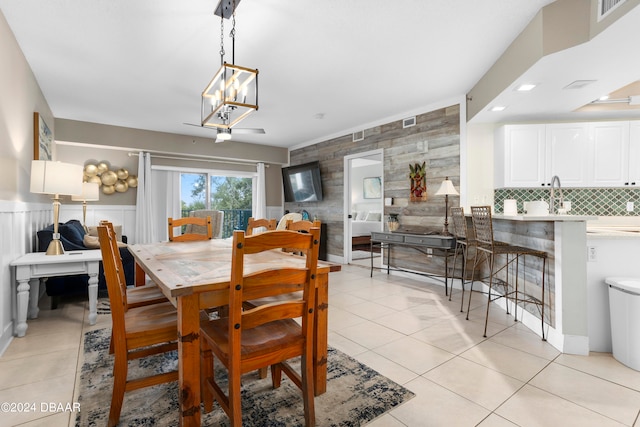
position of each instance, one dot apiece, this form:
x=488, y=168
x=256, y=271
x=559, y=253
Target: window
x=231, y=193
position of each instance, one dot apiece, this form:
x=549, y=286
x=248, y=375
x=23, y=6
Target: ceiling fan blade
x=247, y=130
x=234, y=130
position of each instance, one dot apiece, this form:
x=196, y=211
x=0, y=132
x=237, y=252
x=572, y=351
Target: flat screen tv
x=302, y=183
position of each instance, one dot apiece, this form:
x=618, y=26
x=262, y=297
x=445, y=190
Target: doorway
x=363, y=201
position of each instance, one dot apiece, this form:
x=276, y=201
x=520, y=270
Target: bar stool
x=464, y=239
x=487, y=249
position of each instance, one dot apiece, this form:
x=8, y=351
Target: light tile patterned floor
x=404, y=328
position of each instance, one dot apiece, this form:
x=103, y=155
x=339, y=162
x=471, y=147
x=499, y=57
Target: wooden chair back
x=269, y=224
x=302, y=225
x=265, y=335
x=190, y=237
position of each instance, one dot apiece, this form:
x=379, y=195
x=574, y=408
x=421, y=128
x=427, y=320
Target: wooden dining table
x=195, y=276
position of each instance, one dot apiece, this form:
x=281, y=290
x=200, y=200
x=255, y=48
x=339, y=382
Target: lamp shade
x=90, y=193
x=49, y=177
x=446, y=188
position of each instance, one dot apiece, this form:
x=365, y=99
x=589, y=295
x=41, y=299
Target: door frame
x=347, y=248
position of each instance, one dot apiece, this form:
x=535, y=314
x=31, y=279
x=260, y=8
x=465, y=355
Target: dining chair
x=268, y=224
x=137, y=332
x=189, y=237
x=266, y=335
x=464, y=240
x=488, y=249
x=137, y=296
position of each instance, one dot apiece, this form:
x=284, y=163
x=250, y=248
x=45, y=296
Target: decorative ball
x=122, y=173
x=132, y=181
x=95, y=179
x=108, y=189
x=109, y=178
x=91, y=170
x=121, y=186
x=102, y=167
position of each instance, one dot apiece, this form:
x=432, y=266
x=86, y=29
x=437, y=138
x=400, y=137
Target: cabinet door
x=520, y=156
x=634, y=154
x=609, y=162
x=567, y=148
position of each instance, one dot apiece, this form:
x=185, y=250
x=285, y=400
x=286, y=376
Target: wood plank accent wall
x=435, y=139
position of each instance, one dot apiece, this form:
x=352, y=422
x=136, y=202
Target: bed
x=361, y=229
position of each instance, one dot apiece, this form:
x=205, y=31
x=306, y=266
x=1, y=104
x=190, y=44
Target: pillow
x=362, y=216
x=93, y=231
x=374, y=216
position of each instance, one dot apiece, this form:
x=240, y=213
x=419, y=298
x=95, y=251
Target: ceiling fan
x=224, y=134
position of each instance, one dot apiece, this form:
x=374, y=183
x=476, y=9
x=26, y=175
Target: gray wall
x=434, y=139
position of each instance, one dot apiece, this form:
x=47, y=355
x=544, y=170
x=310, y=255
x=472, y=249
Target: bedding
x=364, y=228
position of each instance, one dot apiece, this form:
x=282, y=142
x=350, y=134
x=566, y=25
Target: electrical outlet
x=592, y=254
x=429, y=252
x=629, y=206
x=567, y=205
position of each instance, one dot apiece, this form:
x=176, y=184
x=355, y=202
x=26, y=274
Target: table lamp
x=57, y=178
x=446, y=189
x=90, y=193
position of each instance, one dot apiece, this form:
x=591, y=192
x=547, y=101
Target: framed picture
x=372, y=188
x=42, y=139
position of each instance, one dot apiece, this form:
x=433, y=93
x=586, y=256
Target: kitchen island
x=564, y=239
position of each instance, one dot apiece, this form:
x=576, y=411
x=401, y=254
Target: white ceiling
x=144, y=63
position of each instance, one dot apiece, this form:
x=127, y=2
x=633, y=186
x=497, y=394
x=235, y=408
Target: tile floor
x=404, y=328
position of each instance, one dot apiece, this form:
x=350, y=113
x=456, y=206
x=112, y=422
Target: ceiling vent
x=578, y=84
x=606, y=6
x=408, y=122
x=358, y=136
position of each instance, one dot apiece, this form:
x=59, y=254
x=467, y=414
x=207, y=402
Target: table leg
x=22, y=296
x=189, y=359
x=139, y=276
x=321, y=335
x=92, y=268
x=34, y=294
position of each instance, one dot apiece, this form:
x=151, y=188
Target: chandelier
x=232, y=93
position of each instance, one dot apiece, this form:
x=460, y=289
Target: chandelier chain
x=221, y=39
x=233, y=32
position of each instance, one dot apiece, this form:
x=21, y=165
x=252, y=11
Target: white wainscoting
x=124, y=215
x=19, y=223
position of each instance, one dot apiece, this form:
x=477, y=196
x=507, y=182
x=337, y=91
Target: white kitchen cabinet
x=519, y=156
x=596, y=154
x=567, y=154
x=609, y=154
x=634, y=154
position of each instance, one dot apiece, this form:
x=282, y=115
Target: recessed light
x=603, y=98
x=525, y=87
x=497, y=108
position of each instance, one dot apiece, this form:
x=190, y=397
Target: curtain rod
x=212, y=160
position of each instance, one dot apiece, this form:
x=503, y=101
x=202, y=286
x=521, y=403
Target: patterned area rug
x=355, y=393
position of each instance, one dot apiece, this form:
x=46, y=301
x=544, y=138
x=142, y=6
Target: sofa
x=74, y=238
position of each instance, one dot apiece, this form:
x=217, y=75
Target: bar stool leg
x=491, y=265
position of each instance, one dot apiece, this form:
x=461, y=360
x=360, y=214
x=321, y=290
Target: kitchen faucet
x=552, y=197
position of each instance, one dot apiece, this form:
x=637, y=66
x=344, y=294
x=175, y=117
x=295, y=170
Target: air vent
x=606, y=6
x=358, y=136
x=408, y=122
x=578, y=84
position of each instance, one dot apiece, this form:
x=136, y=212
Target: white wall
x=479, y=165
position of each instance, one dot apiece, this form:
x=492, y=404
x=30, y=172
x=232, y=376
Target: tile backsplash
x=584, y=201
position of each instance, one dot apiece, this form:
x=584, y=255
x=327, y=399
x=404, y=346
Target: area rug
x=355, y=395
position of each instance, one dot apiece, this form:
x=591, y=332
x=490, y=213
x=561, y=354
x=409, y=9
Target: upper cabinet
x=598, y=154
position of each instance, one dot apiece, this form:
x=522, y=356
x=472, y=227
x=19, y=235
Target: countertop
x=525, y=217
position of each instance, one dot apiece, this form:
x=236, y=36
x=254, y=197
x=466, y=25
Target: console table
x=423, y=241
x=30, y=268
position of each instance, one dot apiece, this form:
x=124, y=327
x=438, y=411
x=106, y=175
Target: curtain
x=259, y=191
x=144, y=231
x=166, y=201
